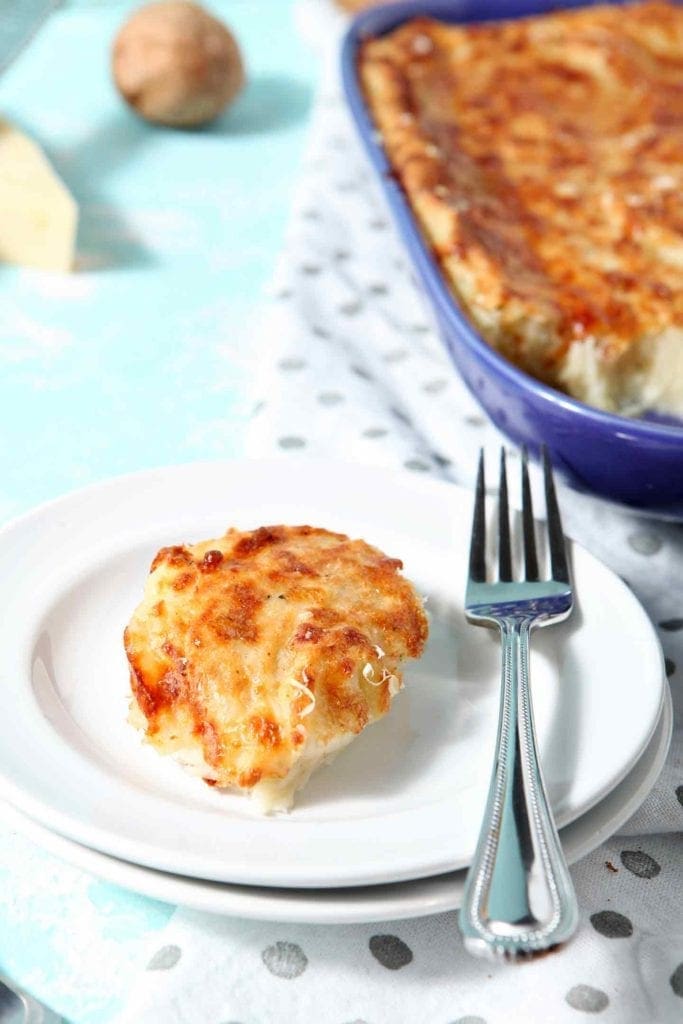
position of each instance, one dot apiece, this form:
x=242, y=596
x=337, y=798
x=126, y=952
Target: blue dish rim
x=377, y=22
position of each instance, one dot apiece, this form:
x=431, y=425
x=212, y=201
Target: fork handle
x=519, y=898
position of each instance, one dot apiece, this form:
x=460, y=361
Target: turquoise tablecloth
x=141, y=358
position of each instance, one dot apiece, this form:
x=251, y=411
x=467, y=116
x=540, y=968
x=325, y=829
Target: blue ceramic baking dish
x=638, y=462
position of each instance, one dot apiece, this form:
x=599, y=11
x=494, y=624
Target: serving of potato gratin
x=257, y=656
x=543, y=158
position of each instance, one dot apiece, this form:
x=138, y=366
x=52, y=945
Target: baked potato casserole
x=543, y=160
x=257, y=656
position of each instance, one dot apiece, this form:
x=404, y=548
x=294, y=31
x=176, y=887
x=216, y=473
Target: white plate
x=404, y=800
x=350, y=906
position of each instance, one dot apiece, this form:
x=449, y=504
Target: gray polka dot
x=396, y=355
x=390, y=951
x=164, y=958
x=433, y=387
x=350, y=308
x=475, y=421
x=311, y=215
x=676, y=980
x=401, y=415
x=612, y=925
x=441, y=460
x=378, y=289
x=671, y=625
x=587, y=999
x=285, y=293
x=285, y=960
x=645, y=543
x=320, y=332
x=258, y=408
x=669, y=666
x=469, y=1019
x=340, y=255
x=310, y=269
x=374, y=432
x=292, y=442
x=639, y=863
x=361, y=372
x=378, y=224
x=679, y=794
x=420, y=329
x=416, y=465
x=330, y=398
x=346, y=186
x=292, y=364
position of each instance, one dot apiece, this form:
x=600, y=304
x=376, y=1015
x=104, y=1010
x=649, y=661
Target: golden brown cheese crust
x=360, y=5
x=544, y=160
x=253, y=647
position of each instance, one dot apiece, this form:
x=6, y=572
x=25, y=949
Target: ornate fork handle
x=519, y=891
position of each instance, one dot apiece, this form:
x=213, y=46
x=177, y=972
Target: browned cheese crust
x=544, y=160
x=253, y=648
x=360, y=5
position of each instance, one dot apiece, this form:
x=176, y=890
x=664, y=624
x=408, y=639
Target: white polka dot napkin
x=350, y=368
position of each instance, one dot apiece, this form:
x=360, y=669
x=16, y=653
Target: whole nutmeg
x=175, y=64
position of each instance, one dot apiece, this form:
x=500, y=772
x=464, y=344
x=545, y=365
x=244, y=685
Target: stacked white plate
x=387, y=830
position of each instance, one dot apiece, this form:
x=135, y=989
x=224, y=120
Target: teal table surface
x=142, y=357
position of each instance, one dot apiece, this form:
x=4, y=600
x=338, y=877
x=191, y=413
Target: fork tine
x=478, y=543
x=504, y=553
x=558, y=556
x=530, y=559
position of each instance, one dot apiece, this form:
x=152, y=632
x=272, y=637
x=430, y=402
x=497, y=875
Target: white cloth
x=351, y=368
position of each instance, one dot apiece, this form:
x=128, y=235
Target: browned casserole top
x=239, y=639
x=544, y=158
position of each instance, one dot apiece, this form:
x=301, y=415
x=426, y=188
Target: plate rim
x=64, y=822
x=412, y=898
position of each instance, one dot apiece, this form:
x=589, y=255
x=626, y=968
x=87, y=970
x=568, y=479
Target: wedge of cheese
x=38, y=214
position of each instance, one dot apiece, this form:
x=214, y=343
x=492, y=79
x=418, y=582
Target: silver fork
x=18, y=1007
x=519, y=898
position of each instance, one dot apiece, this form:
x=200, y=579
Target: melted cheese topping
x=544, y=160
x=248, y=653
